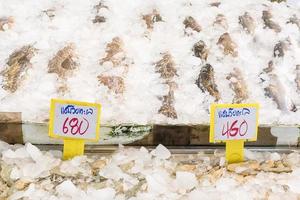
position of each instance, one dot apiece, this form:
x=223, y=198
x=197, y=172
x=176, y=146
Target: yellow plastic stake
x=235, y=151
x=73, y=148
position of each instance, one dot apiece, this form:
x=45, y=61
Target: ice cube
x=103, y=194
x=226, y=184
x=33, y=151
x=275, y=156
x=4, y=146
x=185, y=180
x=161, y=152
x=112, y=172
x=158, y=182
x=10, y=154
x=67, y=188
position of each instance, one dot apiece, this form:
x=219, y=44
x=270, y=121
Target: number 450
x=231, y=130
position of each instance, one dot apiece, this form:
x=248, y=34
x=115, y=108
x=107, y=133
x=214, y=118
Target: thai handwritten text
x=233, y=112
x=71, y=109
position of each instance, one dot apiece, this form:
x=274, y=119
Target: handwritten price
x=235, y=128
x=75, y=126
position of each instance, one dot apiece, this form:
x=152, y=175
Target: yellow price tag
x=75, y=122
x=233, y=124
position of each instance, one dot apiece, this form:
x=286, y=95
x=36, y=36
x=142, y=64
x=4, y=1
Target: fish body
x=200, y=50
x=238, y=85
x=206, y=81
x=113, y=49
x=281, y=47
x=63, y=62
x=114, y=83
x=269, y=23
x=167, y=108
x=17, y=65
x=151, y=18
x=190, y=22
x=276, y=91
x=166, y=67
x=99, y=19
x=229, y=46
x=247, y=23
x=221, y=21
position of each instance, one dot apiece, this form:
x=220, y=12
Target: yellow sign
x=233, y=124
x=74, y=122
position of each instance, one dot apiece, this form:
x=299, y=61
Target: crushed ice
x=131, y=173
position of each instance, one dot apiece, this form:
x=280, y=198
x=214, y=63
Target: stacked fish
x=225, y=53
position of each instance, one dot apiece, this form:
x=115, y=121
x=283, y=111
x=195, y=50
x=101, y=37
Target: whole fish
x=113, y=50
x=229, y=46
x=238, y=85
x=166, y=67
x=247, y=23
x=151, y=18
x=281, y=47
x=206, y=81
x=114, y=83
x=99, y=18
x=63, y=62
x=221, y=21
x=267, y=18
x=200, y=50
x=167, y=109
x=17, y=65
x=190, y=22
x=276, y=91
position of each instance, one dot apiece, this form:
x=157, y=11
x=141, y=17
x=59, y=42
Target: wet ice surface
x=131, y=173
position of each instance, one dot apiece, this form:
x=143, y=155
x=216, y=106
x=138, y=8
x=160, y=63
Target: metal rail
x=109, y=149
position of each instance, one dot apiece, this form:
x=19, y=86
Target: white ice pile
x=29, y=163
x=135, y=174
x=51, y=25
